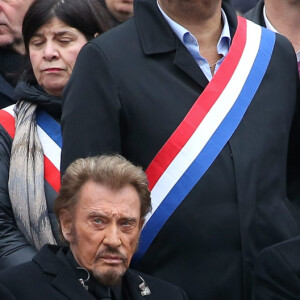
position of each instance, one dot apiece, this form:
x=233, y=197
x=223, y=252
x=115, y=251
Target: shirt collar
x=181, y=32
x=268, y=23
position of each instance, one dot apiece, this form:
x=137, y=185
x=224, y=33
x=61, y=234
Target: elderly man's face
x=103, y=230
x=11, y=18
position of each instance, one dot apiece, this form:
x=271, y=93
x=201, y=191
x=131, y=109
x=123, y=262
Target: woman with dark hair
x=54, y=31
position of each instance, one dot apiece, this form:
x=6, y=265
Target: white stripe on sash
x=211, y=121
x=51, y=150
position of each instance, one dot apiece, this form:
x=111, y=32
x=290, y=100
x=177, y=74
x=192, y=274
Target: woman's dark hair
x=87, y=16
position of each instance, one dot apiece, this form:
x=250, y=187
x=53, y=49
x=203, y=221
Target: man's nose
x=112, y=237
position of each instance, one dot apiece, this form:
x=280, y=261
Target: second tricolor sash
x=207, y=127
x=49, y=132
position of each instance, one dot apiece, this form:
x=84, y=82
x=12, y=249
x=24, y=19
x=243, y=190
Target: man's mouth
x=111, y=259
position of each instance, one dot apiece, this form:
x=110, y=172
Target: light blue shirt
x=191, y=43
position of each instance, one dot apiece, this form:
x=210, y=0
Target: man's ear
x=65, y=219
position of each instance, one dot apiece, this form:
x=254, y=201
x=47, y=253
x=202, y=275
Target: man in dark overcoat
x=205, y=102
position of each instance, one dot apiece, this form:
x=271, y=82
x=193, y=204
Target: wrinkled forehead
x=97, y=198
x=17, y=3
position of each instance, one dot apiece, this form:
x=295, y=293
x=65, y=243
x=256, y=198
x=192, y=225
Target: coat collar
x=157, y=37
x=256, y=13
x=65, y=281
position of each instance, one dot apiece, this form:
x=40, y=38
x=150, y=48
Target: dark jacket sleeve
x=14, y=249
x=91, y=108
x=275, y=277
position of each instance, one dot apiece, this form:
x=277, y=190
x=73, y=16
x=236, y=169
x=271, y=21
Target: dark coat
x=244, y=5
x=14, y=248
x=277, y=272
x=47, y=277
x=6, y=93
x=256, y=13
x=11, y=64
x=130, y=89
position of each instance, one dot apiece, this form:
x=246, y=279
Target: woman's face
x=53, y=50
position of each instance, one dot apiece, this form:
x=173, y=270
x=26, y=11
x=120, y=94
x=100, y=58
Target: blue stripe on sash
x=50, y=126
x=212, y=148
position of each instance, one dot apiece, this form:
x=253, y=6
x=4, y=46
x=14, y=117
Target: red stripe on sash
x=52, y=175
x=200, y=108
x=8, y=122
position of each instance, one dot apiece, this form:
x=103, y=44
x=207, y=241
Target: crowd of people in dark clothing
x=203, y=96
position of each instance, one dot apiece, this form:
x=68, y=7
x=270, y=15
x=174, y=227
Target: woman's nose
x=50, y=52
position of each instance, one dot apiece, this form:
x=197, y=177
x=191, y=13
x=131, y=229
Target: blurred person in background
x=12, y=48
x=279, y=16
x=54, y=31
x=119, y=10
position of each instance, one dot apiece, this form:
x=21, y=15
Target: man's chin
x=6, y=41
x=109, y=277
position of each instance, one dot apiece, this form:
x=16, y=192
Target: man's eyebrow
x=96, y=214
x=130, y=219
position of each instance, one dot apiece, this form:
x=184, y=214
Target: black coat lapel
x=157, y=37
x=67, y=283
x=185, y=61
x=64, y=280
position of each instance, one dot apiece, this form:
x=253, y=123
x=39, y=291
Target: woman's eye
x=37, y=43
x=65, y=40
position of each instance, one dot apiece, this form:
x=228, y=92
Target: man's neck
x=202, y=18
x=284, y=17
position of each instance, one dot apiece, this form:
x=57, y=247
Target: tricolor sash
x=207, y=127
x=49, y=132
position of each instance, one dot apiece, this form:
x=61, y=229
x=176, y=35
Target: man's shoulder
x=17, y=274
x=44, y=261
x=117, y=35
